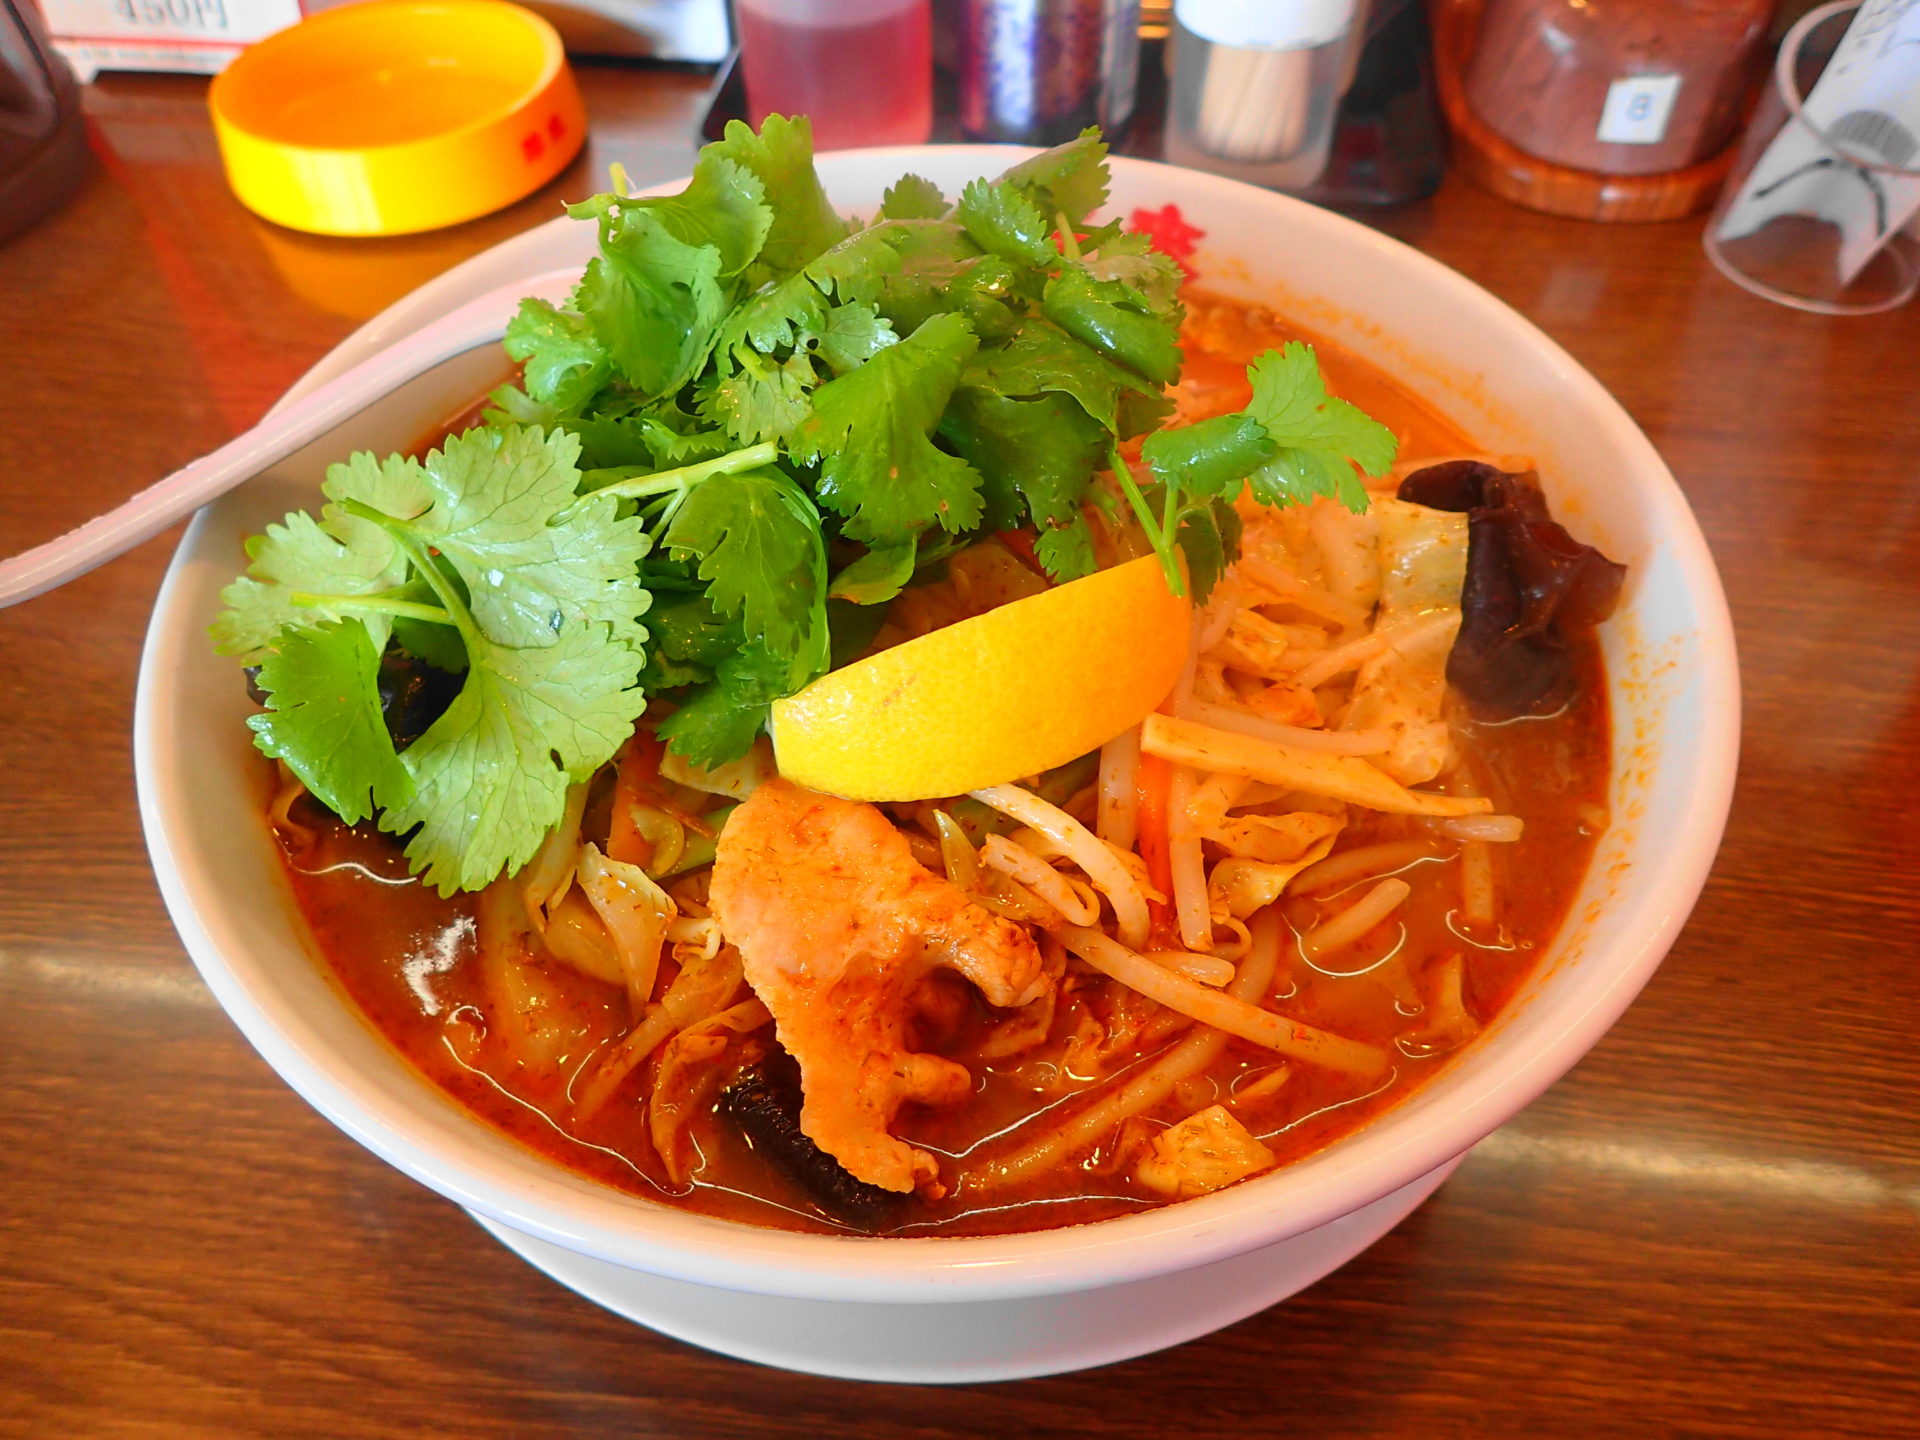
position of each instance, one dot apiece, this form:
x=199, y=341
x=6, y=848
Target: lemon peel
x=993, y=698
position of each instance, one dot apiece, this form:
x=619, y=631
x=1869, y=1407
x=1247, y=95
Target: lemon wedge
x=1015, y=691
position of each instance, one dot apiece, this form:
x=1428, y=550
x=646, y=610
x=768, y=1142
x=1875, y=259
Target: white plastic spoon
x=478, y=322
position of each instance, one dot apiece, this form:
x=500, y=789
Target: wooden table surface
x=1709, y=1228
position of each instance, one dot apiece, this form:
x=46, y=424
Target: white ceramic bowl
x=964, y=1309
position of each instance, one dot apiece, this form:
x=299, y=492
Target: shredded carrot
x=632, y=785
x=1154, y=780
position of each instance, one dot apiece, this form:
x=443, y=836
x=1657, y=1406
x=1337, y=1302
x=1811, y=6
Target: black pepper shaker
x=1037, y=72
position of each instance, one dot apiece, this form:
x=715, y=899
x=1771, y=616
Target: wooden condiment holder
x=1490, y=160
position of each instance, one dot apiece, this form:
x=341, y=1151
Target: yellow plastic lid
x=394, y=116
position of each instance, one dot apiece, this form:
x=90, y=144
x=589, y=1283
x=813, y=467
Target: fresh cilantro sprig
x=1316, y=433
x=871, y=434
x=756, y=542
x=489, y=539
x=1292, y=443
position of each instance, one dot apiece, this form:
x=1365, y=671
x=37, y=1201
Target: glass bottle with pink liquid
x=862, y=69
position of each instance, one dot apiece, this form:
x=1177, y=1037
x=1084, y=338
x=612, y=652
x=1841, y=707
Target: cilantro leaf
x=323, y=718
x=1129, y=257
x=762, y=399
x=877, y=576
x=511, y=405
x=1211, y=457
x=439, y=645
x=690, y=629
x=722, y=206
x=938, y=270
x=500, y=509
x=758, y=540
x=720, y=721
x=662, y=672
x=781, y=156
x=796, y=312
x=851, y=335
x=606, y=442
x=776, y=315
x=1201, y=532
x=490, y=775
x=857, y=267
x=688, y=640
x=1292, y=443
x=339, y=555
x=1067, y=550
x=759, y=399
x=565, y=362
x=1041, y=358
x=1044, y=450
x=674, y=437
x=1141, y=411
x=1069, y=178
x=543, y=594
x=1115, y=320
x=912, y=197
x=870, y=431
x=335, y=555
x=1320, y=438
x=654, y=301
x=394, y=486
x=1003, y=220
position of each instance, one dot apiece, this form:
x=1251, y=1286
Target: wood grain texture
x=1711, y=1228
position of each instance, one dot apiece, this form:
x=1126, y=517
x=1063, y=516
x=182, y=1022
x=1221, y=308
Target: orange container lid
x=395, y=116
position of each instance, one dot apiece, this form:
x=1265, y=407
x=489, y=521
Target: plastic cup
x=1796, y=256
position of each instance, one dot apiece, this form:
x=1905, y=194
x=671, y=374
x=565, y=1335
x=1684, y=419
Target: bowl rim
x=1373, y=1161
